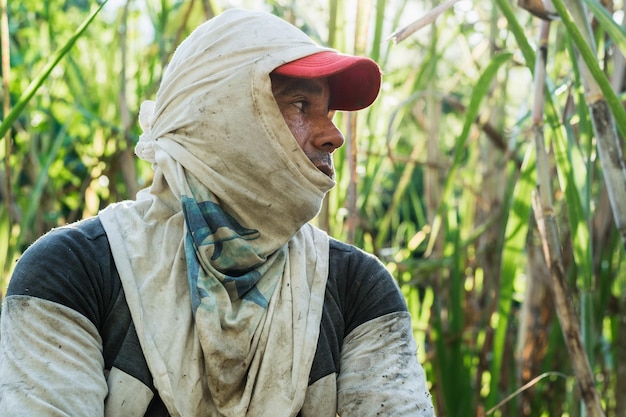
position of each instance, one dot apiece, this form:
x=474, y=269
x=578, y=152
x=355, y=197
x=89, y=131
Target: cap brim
x=354, y=81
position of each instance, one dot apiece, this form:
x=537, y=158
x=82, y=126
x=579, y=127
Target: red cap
x=354, y=81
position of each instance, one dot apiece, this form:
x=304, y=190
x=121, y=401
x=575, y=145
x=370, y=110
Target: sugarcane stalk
x=574, y=17
x=543, y=164
x=548, y=230
x=565, y=309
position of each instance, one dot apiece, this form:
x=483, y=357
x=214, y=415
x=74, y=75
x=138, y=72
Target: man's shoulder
x=352, y=257
x=71, y=265
x=361, y=285
x=60, y=245
x=338, y=245
x=85, y=236
x=90, y=229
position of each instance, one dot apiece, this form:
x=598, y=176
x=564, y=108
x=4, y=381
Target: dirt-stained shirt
x=68, y=346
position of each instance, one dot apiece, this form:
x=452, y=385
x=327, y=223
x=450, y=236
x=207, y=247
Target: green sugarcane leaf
x=32, y=88
x=615, y=31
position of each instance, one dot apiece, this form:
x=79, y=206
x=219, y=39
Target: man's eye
x=301, y=105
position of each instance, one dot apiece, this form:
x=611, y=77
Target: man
x=211, y=295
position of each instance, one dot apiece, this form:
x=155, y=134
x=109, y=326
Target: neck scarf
x=223, y=276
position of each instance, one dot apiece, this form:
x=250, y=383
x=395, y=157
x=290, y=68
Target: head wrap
x=223, y=276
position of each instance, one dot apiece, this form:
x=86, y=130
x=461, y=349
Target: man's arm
x=51, y=361
x=380, y=374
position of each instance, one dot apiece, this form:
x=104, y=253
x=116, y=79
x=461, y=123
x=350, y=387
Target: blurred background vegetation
x=484, y=104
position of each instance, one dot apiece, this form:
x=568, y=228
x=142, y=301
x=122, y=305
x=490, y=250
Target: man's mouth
x=325, y=164
x=328, y=170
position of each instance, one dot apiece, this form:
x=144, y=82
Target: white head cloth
x=223, y=276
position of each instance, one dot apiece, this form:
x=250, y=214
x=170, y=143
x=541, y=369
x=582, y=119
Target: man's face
x=304, y=105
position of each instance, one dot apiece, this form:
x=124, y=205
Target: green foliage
x=439, y=186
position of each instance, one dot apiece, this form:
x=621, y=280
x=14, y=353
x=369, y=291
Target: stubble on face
x=304, y=106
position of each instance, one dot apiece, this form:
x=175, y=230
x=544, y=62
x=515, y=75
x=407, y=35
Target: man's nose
x=329, y=138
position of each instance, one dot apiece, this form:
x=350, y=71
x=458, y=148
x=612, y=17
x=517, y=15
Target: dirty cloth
x=92, y=364
x=238, y=336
